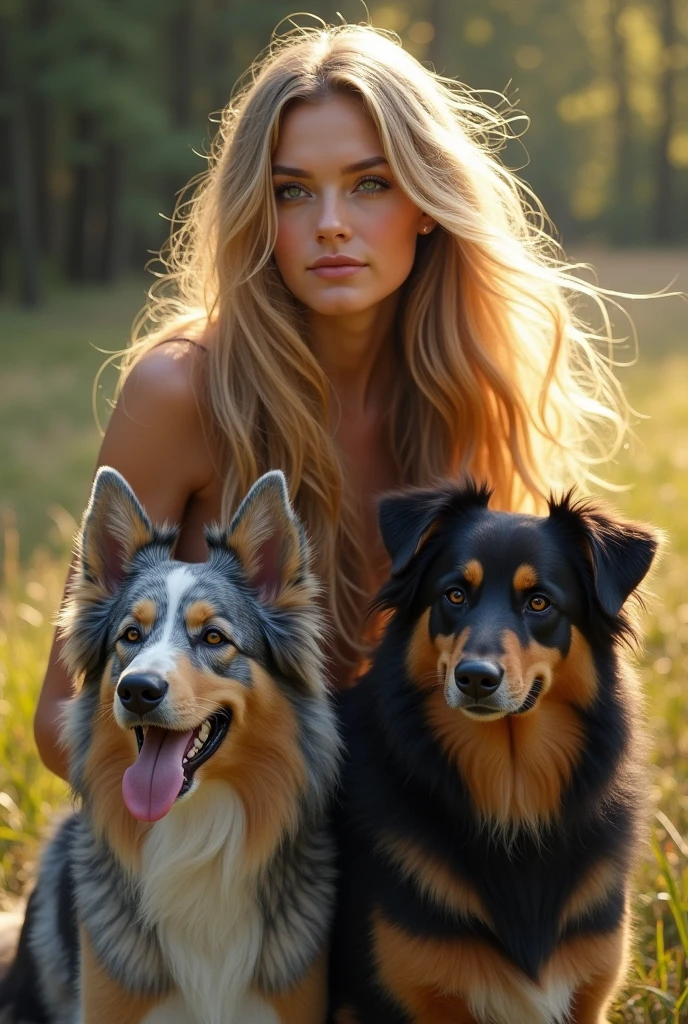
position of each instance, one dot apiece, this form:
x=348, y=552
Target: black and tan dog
x=203, y=754
x=492, y=794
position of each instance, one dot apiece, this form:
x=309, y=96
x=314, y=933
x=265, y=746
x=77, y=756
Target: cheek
x=390, y=234
x=288, y=247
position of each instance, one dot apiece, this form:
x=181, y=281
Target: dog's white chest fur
x=522, y=1002
x=198, y=894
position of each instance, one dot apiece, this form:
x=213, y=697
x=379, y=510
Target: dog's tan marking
x=434, y=878
x=447, y=977
x=421, y=657
x=145, y=612
x=525, y=577
x=523, y=665
x=594, y=966
x=306, y=1002
x=428, y=660
x=260, y=757
x=593, y=889
x=572, y=679
x=433, y=979
x=345, y=1016
x=102, y=999
x=576, y=677
x=472, y=572
x=198, y=613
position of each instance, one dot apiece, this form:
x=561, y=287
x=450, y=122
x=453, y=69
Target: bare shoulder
x=167, y=376
x=158, y=433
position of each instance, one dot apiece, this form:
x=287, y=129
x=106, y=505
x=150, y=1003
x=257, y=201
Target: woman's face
x=337, y=197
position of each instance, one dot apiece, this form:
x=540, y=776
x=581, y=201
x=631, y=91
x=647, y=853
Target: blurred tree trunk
x=40, y=124
x=20, y=167
x=438, y=16
x=182, y=49
x=664, y=202
x=624, y=157
x=109, y=243
x=77, y=255
x=182, y=45
x=5, y=177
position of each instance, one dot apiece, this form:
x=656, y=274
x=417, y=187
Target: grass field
x=48, y=445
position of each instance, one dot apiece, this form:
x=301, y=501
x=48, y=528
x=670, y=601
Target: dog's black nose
x=141, y=692
x=478, y=678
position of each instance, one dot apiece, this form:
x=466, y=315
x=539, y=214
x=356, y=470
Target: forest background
x=103, y=103
x=104, y=116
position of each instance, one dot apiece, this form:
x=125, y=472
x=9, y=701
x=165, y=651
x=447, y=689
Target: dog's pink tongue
x=151, y=785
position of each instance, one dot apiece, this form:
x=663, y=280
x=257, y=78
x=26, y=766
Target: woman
x=363, y=299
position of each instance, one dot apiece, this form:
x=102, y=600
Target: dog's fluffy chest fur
x=210, y=932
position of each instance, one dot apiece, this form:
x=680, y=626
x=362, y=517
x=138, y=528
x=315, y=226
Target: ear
x=114, y=527
x=618, y=552
x=408, y=518
x=267, y=537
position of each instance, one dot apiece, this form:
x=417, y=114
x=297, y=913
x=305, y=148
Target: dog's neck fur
x=211, y=931
x=536, y=751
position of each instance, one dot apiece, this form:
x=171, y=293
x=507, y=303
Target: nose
x=478, y=679
x=141, y=692
x=332, y=222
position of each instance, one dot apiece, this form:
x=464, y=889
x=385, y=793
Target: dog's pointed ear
x=408, y=518
x=618, y=553
x=114, y=527
x=266, y=537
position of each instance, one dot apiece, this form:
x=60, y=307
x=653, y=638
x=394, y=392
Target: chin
x=350, y=304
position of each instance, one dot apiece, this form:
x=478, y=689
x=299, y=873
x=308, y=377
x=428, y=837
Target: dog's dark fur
x=492, y=796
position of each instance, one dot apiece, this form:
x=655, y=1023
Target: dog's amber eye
x=538, y=603
x=132, y=635
x=455, y=596
x=213, y=637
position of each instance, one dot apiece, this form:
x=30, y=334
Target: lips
x=336, y=266
x=336, y=261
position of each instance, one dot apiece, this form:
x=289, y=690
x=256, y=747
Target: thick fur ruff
x=491, y=798
x=206, y=900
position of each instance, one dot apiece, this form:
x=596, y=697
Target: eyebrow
x=362, y=165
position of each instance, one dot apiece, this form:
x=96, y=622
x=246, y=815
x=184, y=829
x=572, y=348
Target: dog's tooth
x=204, y=731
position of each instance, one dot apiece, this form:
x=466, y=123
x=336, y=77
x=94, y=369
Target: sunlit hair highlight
x=495, y=374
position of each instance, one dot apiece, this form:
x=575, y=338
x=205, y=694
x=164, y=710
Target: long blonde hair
x=495, y=374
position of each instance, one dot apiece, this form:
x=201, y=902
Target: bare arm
x=155, y=439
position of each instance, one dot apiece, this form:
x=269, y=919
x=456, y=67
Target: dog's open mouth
x=166, y=762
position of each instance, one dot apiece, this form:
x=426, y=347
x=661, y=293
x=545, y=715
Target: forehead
x=327, y=134
x=496, y=544
x=167, y=583
x=195, y=591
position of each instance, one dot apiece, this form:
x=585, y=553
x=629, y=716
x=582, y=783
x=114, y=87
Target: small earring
x=425, y=230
